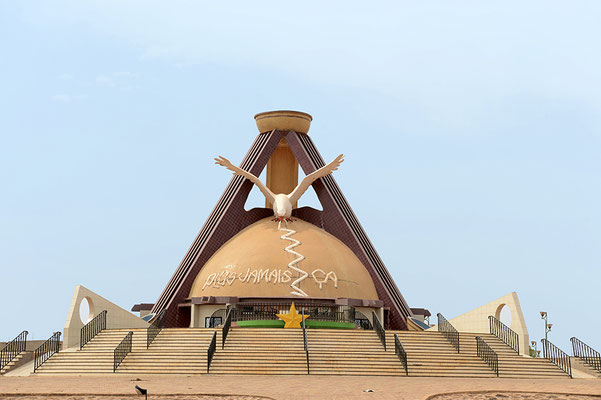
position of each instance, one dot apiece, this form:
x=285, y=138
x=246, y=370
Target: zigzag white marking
x=293, y=264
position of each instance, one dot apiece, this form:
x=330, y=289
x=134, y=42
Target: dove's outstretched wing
x=239, y=171
x=312, y=177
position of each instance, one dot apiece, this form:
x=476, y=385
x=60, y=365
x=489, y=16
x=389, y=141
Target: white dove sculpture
x=282, y=203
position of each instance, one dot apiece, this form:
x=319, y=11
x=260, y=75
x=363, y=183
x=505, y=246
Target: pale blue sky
x=472, y=133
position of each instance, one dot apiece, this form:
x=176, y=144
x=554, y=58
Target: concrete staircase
x=430, y=354
x=281, y=352
x=261, y=351
x=173, y=351
x=11, y=364
x=356, y=352
x=97, y=355
x=579, y=365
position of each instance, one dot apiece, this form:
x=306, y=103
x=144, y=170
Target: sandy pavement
x=236, y=387
x=513, y=396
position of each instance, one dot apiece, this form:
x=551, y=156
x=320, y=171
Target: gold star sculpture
x=292, y=319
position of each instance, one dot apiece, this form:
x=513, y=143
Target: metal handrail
x=401, y=353
x=211, y=350
x=122, y=350
x=155, y=328
x=306, y=342
x=92, y=328
x=226, y=327
x=315, y=311
x=12, y=349
x=448, y=331
x=46, y=350
x=379, y=328
x=505, y=333
x=586, y=353
x=557, y=356
x=487, y=354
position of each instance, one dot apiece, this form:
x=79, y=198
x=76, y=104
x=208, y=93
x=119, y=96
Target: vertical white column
x=194, y=316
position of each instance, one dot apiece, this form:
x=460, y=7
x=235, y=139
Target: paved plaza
x=108, y=387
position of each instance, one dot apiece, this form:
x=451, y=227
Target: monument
x=281, y=253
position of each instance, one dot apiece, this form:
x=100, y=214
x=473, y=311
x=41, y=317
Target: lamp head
x=533, y=343
x=549, y=326
x=543, y=314
x=141, y=391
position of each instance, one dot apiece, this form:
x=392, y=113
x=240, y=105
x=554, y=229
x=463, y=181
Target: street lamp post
x=535, y=348
x=142, y=391
x=543, y=316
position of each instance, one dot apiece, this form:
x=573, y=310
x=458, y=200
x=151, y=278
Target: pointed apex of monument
x=283, y=120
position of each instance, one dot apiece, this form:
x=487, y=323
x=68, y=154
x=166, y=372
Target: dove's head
x=282, y=206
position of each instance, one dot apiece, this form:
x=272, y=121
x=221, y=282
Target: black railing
x=226, y=327
x=313, y=311
x=505, y=333
x=46, y=350
x=92, y=328
x=306, y=342
x=401, y=353
x=211, y=350
x=487, y=354
x=448, y=331
x=586, y=353
x=12, y=349
x=155, y=328
x=557, y=356
x=379, y=329
x=122, y=350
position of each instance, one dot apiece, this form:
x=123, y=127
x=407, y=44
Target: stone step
x=11, y=364
x=278, y=352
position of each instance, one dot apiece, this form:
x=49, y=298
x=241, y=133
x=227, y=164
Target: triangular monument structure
x=282, y=145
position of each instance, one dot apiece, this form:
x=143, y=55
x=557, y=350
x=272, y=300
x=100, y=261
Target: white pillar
x=194, y=316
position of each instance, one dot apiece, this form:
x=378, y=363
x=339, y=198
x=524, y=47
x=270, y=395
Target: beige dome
x=254, y=263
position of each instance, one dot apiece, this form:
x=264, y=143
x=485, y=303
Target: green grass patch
x=277, y=323
x=329, y=324
x=262, y=323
